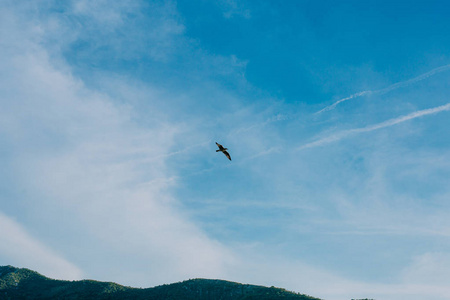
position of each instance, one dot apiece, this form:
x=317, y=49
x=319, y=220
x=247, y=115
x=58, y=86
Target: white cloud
x=429, y=269
x=20, y=249
x=97, y=167
x=233, y=8
x=389, y=88
x=86, y=162
x=145, y=28
x=343, y=134
x=297, y=276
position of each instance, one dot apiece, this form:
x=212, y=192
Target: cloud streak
x=343, y=134
x=387, y=89
x=91, y=166
x=121, y=167
x=21, y=249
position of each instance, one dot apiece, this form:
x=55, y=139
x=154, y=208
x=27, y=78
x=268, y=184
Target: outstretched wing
x=219, y=145
x=227, y=154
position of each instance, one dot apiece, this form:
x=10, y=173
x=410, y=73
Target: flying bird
x=223, y=150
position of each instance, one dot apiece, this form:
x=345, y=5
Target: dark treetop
x=26, y=284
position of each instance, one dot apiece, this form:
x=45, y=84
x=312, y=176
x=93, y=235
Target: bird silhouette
x=223, y=150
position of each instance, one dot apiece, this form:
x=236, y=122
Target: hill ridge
x=22, y=283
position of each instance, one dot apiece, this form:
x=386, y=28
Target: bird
x=223, y=150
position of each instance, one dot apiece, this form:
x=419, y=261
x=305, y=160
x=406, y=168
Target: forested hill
x=18, y=283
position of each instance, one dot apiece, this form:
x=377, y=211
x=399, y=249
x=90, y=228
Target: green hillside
x=26, y=284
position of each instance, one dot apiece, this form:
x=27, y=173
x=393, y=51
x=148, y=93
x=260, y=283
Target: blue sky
x=336, y=116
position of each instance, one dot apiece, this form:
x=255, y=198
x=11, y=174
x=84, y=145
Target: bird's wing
x=227, y=154
x=219, y=145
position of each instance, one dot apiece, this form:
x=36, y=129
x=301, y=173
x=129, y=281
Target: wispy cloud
x=19, y=248
x=343, y=134
x=85, y=158
x=297, y=275
x=233, y=8
x=332, y=106
x=387, y=89
x=124, y=169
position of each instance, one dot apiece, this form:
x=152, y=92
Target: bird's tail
x=217, y=150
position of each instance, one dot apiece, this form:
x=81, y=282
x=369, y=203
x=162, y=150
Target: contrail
x=343, y=134
x=389, y=88
x=332, y=106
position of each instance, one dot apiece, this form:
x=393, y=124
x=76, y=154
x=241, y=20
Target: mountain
x=18, y=283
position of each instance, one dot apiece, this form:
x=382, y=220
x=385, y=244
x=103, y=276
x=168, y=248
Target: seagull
x=223, y=150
